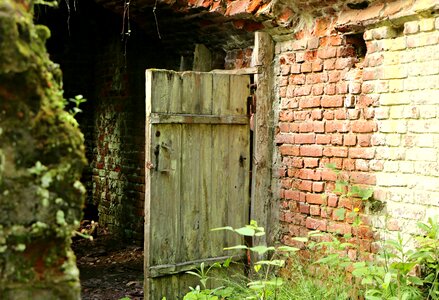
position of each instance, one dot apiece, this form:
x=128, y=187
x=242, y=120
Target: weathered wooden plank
x=190, y=208
x=238, y=202
x=242, y=71
x=175, y=93
x=220, y=165
x=205, y=93
x=189, y=94
x=239, y=157
x=202, y=58
x=160, y=118
x=159, y=90
x=166, y=286
x=184, y=282
x=221, y=94
x=165, y=188
x=169, y=269
x=261, y=206
x=148, y=163
x=239, y=92
x=196, y=93
x=205, y=191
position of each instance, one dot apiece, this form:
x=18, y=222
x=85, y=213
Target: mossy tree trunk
x=41, y=159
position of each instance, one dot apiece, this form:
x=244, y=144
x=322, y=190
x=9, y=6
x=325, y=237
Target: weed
x=394, y=274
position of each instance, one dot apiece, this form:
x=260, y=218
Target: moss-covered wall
x=41, y=159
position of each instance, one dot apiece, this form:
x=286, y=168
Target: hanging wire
x=68, y=15
x=126, y=26
x=156, y=21
x=126, y=20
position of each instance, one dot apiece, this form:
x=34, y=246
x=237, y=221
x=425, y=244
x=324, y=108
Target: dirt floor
x=109, y=269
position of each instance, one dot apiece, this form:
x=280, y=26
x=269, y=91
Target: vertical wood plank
x=165, y=188
x=261, y=206
x=220, y=165
x=190, y=152
x=238, y=156
x=202, y=58
x=191, y=208
x=160, y=87
x=238, y=202
x=220, y=190
x=206, y=93
x=148, y=162
x=205, y=190
x=175, y=93
x=189, y=94
x=220, y=94
x=166, y=286
x=239, y=91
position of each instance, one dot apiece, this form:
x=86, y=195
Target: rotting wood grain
x=261, y=204
x=197, y=172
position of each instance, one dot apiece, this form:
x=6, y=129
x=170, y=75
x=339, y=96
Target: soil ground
x=109, y=268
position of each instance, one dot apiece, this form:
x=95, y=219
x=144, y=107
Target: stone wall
x=360, y=92
x=41, y=159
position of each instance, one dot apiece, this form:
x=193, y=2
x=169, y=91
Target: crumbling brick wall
x=238, y=58
x=403, y=74
x=109, y=72
x=119, y=131
x=367, y=106
x=324, y=117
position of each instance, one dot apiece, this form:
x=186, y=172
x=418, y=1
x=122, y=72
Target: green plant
x=69, y=115
x=347, y=189
x=427, y=255
x=327, y=265
x=77, y=101
x=393, y=274
x=264, y=283
x=203, y=273
x=209, y=294
x=322, y=273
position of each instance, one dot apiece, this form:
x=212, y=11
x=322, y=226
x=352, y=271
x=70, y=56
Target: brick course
x=377, y=119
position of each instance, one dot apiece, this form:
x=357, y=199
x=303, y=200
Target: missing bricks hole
x=358, y=5
x=357, y=42
x=399, y=30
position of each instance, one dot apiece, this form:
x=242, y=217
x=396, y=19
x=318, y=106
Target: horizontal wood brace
x=163, y=270
x=166, y=118
x=242, y=71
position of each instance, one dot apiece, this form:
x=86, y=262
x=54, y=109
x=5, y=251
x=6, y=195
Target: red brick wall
x=374, y=117
x=238, y=58
x=325, y=116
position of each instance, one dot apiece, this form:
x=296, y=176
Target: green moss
x=41, y=160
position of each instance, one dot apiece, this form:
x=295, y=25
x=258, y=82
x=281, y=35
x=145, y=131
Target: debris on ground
x=109, y=268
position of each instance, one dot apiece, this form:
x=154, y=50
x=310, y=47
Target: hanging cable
x=156, y=21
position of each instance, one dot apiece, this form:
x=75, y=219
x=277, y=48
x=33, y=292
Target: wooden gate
x=197, y=173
